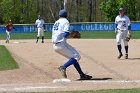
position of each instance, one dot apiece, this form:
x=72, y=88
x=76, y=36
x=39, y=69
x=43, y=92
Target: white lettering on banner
x=82, y=27
x=111, y=26
x=96, y=27
x=106, y=27
x=101, y=27
x=25, y=28
x=49, y=27
x=28, y=28
x=88, y=27
x=92, y=27
x=31, y=28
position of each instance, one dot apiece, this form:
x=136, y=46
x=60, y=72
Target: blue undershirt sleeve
x=66, y=34
x=116, y=26
x=129, y=27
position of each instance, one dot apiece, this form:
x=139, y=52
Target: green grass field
x=84, y=35
x=6, y=60
x=97, y=91
x=104, y=91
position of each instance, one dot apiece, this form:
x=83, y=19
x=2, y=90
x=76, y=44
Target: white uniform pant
x=8, y=35
x=40, y=32
x=66, y=50
x=121, y=35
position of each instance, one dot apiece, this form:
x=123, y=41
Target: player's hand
x=116, y=31
x=129, y=32
x=128, y=38
x=129, y=35
x=45, y=30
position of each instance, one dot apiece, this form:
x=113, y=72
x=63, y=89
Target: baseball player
x=9, y=27
x=60, y=33
x=40, y=27
x=122, y=28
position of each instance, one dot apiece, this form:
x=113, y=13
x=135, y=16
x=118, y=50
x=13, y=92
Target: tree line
x=26, y=11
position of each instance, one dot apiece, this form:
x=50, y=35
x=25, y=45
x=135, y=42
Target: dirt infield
x=38, y=66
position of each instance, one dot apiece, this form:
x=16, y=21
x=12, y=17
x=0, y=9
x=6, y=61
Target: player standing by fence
x=123, y=27
x=9, y=27
x=40, y=28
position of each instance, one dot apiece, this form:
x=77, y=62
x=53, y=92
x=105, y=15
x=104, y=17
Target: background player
x=123, y=27
x=9, y=27
x=40, y=28
x=60, y=34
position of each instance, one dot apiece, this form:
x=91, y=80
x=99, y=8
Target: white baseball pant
x=8, y=35
x=121, y=35
x=66, y=50
x=40, y=31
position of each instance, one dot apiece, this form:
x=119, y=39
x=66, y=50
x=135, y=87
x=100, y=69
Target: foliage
x=19, y=11
x=26, y=11
x=111, y=7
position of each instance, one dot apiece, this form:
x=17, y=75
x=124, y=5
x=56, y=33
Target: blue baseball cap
x=39, y=17
x=121, y=9
x=63, y=13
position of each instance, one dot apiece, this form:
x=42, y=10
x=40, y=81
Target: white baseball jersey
x=122, y=26
x=59, y=28
x=39, y=23
x=59, y=41
x=122, y=22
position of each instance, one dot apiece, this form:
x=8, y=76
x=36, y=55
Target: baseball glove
x=75, y=34
x=128, y=38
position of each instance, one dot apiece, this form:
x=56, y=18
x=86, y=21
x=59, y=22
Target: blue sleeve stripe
x=129, y=27
x=44, y=25
x=116, y=25
x=66, y=31
x=66, y=34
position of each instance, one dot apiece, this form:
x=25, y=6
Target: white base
x=62, y=80
x=15, y=42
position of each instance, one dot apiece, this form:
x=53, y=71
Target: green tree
x=19, y=11
x=111, y=7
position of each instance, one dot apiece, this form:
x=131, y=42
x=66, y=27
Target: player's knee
x=118, y=43
x=126, y=44
x=38, y=35
x=77, y=57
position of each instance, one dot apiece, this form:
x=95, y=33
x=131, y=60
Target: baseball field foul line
x=45, y=86
x=27, y=87
x=114, y=81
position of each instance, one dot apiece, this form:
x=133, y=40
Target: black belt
x=57, y=43
x=121, y=30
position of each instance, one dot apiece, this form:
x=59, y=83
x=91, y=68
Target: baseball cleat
x=7, y=41
x=85, y=77
x=120, y=56
x=126, y=56
x=42, y=42
x=62, y=69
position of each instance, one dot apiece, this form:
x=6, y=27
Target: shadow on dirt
x=133, y=58
x=98, y=79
